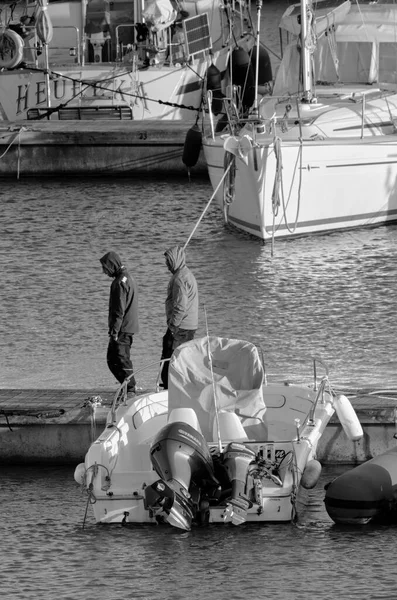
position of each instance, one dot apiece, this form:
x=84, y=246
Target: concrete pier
x=95, y=148
x=58, y=426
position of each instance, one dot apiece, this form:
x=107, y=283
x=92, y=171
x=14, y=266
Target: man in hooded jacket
x=181, y=306
x=123, y=318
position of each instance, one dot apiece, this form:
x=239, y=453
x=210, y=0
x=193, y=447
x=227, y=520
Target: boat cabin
x=138, y=32
x=351, y=43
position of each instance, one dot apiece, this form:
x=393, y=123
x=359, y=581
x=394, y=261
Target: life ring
x=11, y=49
x=228, y=184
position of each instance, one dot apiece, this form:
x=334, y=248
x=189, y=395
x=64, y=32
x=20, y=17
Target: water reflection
x=331, y=296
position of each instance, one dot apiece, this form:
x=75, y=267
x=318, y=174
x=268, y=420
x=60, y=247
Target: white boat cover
x=237, y=379
x=326, y=14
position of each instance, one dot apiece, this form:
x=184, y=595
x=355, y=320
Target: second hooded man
x=181, y=306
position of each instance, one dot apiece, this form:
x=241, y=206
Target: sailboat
x=319, y=152
x=121, y=60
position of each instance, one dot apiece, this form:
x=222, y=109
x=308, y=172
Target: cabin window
x=354, y=62
x=388, y=62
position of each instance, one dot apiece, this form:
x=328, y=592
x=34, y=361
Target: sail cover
x=326, y=13
x=236, y=375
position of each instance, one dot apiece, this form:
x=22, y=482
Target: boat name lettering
x=31, y=95
x=189, y=435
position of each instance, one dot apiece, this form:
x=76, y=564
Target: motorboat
x=221, y=445
x=367, y=493
x=317, y=152
x=119, y=60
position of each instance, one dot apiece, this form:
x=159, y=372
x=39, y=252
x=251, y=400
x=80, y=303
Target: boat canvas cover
x=327, y=13
x=236, y=376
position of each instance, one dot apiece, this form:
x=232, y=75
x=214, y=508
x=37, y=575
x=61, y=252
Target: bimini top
x=237, y=376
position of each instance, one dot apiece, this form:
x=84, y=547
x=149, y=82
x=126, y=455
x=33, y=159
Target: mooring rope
x=207, y=206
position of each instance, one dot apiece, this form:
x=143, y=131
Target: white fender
x=79, y=474
x=311, y=474
x=239, y=146
x=348, y=418
x=12, y=59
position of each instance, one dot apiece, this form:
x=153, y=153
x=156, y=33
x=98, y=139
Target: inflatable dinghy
x=366, y=493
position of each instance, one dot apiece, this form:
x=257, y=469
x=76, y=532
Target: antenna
x=218, y=431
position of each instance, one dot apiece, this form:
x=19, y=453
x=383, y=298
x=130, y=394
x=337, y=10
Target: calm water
x=45, y=553
x=332, y=296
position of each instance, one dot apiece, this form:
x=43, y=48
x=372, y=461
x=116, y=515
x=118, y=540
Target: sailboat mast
x=258, y=12
x=306, y=18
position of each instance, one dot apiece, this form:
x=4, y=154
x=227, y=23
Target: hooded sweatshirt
x=181, y=305
x=123, y=300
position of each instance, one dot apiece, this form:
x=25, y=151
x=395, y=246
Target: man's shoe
x=133, y=391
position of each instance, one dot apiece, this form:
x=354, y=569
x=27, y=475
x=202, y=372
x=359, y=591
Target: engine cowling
x=181, y=458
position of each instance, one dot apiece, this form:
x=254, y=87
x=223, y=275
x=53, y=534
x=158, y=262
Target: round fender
x=311, y=474
x=214, y=78
x=192, y=147
x=11, y=49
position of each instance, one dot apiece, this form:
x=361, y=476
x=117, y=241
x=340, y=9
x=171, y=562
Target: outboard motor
x=181, y=458
x=237, y=459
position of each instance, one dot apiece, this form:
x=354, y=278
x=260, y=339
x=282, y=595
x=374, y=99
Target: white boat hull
x=118, y=468
x=329, y=185
x=221, y=445
x=154, y=93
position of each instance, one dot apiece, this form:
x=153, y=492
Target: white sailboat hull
x=327, y=185
x=328, y=159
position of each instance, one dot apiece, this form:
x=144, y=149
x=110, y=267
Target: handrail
x=35, y=47
x=70, y=47
x=320, y=394
x=315, y=362
x=117, y=38
x=121, y=392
